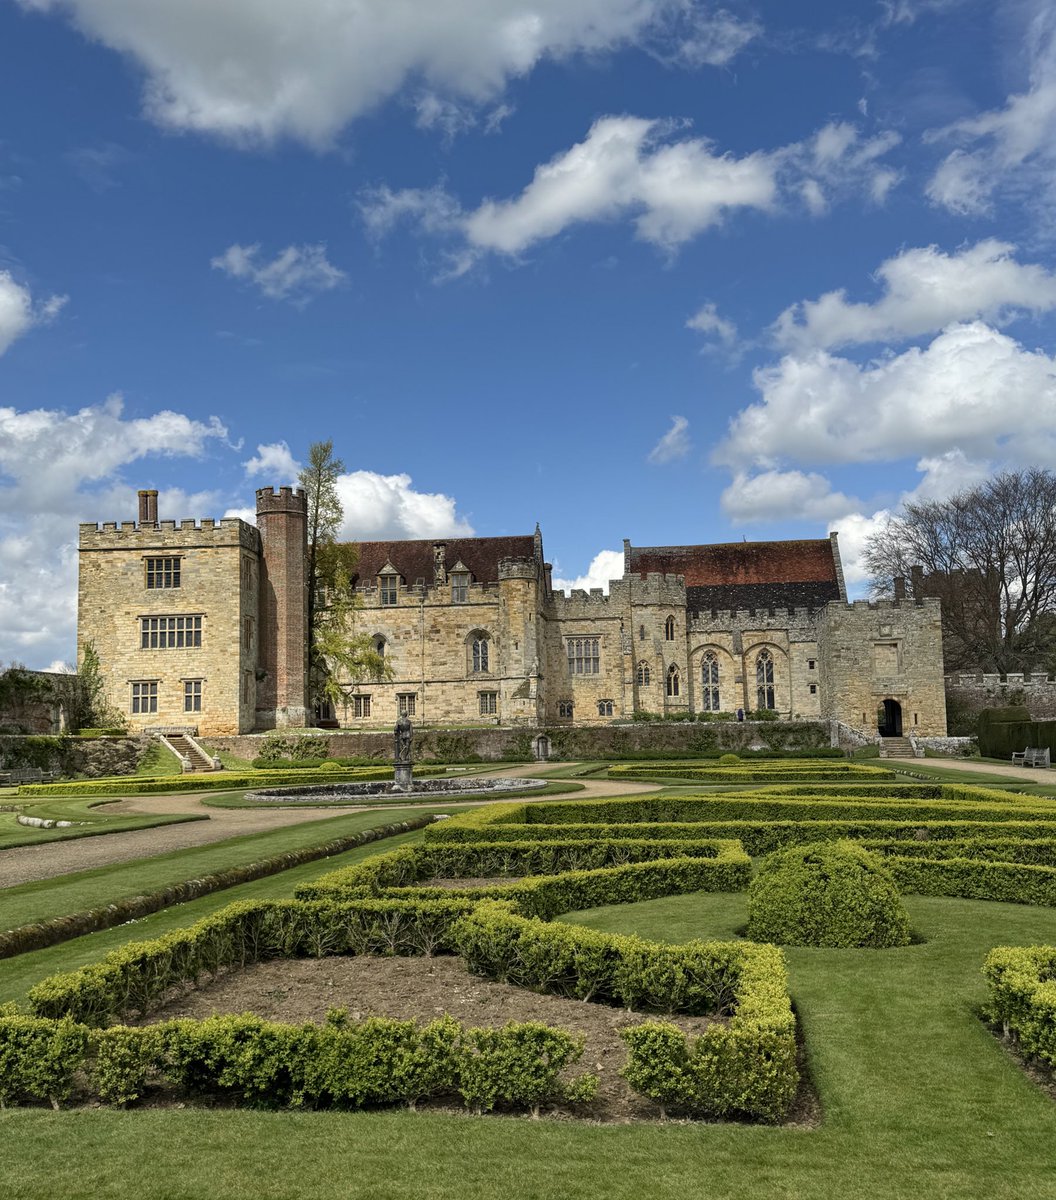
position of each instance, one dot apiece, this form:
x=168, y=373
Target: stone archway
x=889, y=719
x=541, y=747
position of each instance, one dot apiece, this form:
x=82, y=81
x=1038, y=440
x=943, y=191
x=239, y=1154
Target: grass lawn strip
x=42, y=932
x=91, y=819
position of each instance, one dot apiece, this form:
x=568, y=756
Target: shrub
x=729, y=760
x=826, y=894
x=520, y=1064
x=38, y=1058
x=1022, y=997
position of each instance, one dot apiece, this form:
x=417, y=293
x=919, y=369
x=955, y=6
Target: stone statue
x=402, y=736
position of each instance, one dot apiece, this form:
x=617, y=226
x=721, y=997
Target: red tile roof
x=740, y=562
x=414, y=559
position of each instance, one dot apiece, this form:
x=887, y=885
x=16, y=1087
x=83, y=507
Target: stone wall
x=968, y=694
x=608, y=741
x=113, y=599
x=93, y=758
x=884, y=651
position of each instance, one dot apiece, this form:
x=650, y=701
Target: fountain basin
x=446, y=789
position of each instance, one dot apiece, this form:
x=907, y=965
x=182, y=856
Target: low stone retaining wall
x=92, y=758
x=492, y=744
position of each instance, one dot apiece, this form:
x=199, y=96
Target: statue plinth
x=403, y=778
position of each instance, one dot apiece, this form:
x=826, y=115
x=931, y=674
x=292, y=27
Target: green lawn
x=48, y=898
x=90, y=813
x=19, y=974
x=918, y=1101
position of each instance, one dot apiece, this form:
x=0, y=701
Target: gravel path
x=1022, y=774
x=24, y=864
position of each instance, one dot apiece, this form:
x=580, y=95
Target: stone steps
x=896, y=747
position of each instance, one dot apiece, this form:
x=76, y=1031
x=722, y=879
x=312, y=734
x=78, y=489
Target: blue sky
x=654, y=269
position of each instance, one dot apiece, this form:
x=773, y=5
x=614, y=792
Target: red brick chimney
x=282, y=519
x=148, y=508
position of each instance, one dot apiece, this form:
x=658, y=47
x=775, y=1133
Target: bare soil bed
x=299, y=990
x=471, y=882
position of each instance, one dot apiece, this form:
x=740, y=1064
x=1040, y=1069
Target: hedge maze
x=490, y=886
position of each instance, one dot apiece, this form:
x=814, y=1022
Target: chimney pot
x=148, y=507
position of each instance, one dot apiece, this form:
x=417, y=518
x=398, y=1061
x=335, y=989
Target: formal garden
x=797, y=977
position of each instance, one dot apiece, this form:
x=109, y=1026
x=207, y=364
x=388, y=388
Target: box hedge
x=833, y=894
x=1021, y=987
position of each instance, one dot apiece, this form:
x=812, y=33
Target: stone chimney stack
x=439, y=564
x=148, y=508
x=282, y=520
x=900, y=587
x=916, y=580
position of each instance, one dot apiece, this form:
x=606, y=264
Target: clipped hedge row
x=750, y=1059
x=459, y=860
x=972, y=879
x=1021, y=984
x=60, y=929
x=135, y=978
x=754, y=773
x=217, y=781
x=547, y=896
x=1038, y=852
x=263, y=1064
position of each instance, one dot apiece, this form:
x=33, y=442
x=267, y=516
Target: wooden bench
x=29, y=775
x=1033, y=756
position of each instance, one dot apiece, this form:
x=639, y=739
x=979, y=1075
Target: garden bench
x=1032, y=756
x=30, y=775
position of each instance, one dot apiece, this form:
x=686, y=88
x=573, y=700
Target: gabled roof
x=747, y=575
x=414, y=560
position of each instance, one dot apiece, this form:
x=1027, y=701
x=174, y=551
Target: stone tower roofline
x=283, y=499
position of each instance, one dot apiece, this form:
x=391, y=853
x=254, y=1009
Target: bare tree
x=989, y=554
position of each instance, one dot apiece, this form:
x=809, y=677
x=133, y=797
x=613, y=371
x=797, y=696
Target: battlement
x=795, y=620
x=167, y=535
x=283, y=499
x=583, y=605
x=667, y=591
x=518, y=568
x=1018, y=679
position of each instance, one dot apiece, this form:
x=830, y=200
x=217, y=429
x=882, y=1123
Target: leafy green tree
x=82, y=695
x=325, y=513
x=347, y=657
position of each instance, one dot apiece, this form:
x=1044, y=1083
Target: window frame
x=711, y=698
x=169, y=567
x=566, y=710
x=765, y=692
x=406, y=704
x=192, y=695
x=605, y=708
x=643, y=675
x=480, y=654
x=173, y=631
x=361, y=706
x=583, y=654
x=459, y=587
x=669, y=629
x=674, y=680
x=143, y=703
x=388, y=589
x=488, y=703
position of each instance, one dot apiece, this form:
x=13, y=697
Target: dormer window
x=459, y=587
x=388, y=589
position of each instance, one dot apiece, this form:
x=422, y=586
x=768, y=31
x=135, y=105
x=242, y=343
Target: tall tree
x=347, y=657
x=989, y=554
x=325, y=513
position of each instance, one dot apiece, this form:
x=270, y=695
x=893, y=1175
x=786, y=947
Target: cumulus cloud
x=673, y=187
x=297, y=273
x=1011, y=146
x=924, y=290
x=18, y=312
x=673, y=445
x=58, y=468
x=257, y=70
x=274, y=460
x=791, y=495
x=387, y=506
x=604, y=566
x=972, y=388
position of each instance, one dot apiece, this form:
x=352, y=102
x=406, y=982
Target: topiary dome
x=833, y=894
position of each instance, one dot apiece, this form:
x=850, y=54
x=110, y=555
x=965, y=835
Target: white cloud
x=257, y=70
x=296, y=273
x=674, y=187
x=56, y=469
x=274, y=460
x=697, y=37
x=855, y=530
x=1014, y=145
x=604, y=566
x=972, y=389
x=18, y=313
x=708, y=321
x=924, y=290
x=674, y=444
x=786, y=495
x=387, y=506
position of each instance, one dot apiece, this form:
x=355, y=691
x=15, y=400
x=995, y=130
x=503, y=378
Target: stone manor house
x=202, y=624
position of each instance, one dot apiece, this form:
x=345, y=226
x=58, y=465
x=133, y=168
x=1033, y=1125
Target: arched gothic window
x=764, y=680
x=643, y=675
x=709, y=680
x=673, y=681
x=379, y=646
x=480, y=651
x=669, y=629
